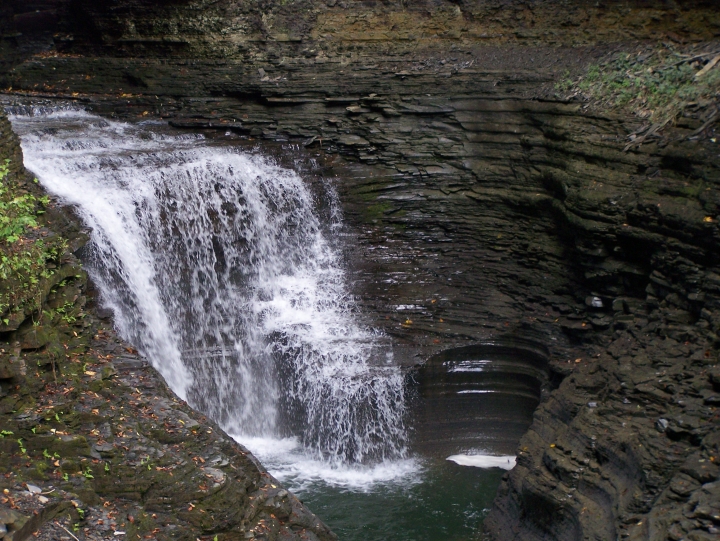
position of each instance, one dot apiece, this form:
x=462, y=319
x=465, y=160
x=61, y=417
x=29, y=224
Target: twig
x=52, y=363
x=669, y=66
x=691, y=59
x=652, y=131
x=711, y=119
x=68, y=531
x=710, y=65
x=640, y=130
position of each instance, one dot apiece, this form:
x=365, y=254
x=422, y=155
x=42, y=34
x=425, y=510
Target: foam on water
x=506, y=462
x=301, y=471
x=218, y=268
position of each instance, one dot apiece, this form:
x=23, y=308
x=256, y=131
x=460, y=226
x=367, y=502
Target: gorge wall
x=480, y=205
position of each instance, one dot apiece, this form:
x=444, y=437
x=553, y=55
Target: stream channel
x=226, y=271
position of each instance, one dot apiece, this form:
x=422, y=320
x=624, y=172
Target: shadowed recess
x=477, y=399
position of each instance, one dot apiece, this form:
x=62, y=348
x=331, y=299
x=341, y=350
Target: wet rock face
x=477, y=210
x=476, y=399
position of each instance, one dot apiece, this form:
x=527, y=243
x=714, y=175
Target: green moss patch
x=28, y=252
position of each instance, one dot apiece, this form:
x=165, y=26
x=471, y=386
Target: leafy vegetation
x=26, y=249
x=657, y=83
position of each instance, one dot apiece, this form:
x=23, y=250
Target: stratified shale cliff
x=481, y=206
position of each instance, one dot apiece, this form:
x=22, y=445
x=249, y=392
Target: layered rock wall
x=477, y=209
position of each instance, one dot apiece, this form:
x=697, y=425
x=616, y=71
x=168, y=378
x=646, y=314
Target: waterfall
x=219, y=269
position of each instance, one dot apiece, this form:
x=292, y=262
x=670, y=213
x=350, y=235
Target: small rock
x=8, y=517
x=592, y=404
x=601, y=323
x=352, y=140
x=357, y=110
x=104, y=447
x=43, y=500
x=34, y=489
x=661, y=425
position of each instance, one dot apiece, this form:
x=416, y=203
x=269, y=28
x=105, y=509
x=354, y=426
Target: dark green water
x=448, y=503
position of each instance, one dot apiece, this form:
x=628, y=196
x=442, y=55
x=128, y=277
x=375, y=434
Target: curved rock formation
x=477, y=399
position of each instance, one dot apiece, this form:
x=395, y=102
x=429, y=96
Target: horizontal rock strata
x=476, y=209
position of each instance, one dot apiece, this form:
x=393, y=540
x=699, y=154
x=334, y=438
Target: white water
x=506, y=462
x=294, y=467
x=219, y=270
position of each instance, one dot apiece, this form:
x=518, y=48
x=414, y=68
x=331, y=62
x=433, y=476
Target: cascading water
x=222, y=269
x=217, y=267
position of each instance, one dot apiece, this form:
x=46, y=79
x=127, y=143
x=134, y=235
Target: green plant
x=88, y=473
x=22, y=447
x=565, y=83
x=17, y=211
x=66, y=477
x=65, y=312
x=657, y=84
x=25, y=250
x=4, y=433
